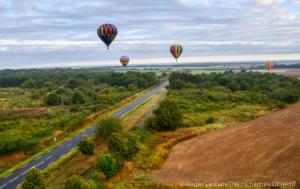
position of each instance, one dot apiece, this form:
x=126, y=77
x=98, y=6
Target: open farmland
x=265, y=149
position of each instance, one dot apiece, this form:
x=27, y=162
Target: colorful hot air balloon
x=269, y=65
x=107, y=33
x=176, y=51
x=124, y=60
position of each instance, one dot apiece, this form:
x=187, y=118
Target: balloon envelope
x=269, y=65
x=124, y=60
x=176, y=50
x=107, y=33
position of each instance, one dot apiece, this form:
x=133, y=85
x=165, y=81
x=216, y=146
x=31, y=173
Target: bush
x=139, y=134
x=107, y=126
x=79, y=97
x=285, y=95
x=33, y=180
x=76, y=182
x=86, y=145
x=107, y=164
x=12, y=141
x=52, y=99
x=177, y=84
x=117, y=145
x=122, y=147
x=210, y=120
x=166, y=117
x=132, y=147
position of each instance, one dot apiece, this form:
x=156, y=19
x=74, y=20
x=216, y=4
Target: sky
x=43, y=33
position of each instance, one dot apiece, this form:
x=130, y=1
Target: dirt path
x=265, y=149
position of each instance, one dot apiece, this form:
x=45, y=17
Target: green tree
x=132, y=87
x=74, y=83
x=107, y=164
x=52, y=99
x=86, y=145
x=33, y=180
x=107, y=126
x=177, y=84
x=49, y=85
x=79, y=97
x=132, y=147
x=233, y=85
x=117, y=145
x=76, y=182
x=244, y=85
x=167, y=116
x=29, y=84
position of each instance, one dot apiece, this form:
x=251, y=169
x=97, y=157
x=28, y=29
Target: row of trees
x=53, y=78
x=273, y=86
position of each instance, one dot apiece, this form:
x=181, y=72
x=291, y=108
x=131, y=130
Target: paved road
x=16, y=178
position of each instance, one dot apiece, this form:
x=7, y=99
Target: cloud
x=269, y=2
x=42, y=31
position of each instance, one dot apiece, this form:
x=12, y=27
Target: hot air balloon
x=176, y=51
x=269, y=65
x=124, y=60
x=107, y=33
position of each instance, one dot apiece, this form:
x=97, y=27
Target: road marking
x=3, y=186
x=24, y=172
x=40, y=163
x=14, y=179
x=49, y=157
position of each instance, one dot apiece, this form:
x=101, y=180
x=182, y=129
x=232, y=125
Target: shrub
x=86, y=145
x=52, y=99
x=107, y=164
x=177, y=84
x=285, y=95
x=122, y=147
x=167, y=117
x=79, y=97
x=117, y=145
x=139, y=134
x=233, y=85
x=107, y=126
x=209, y=120
x=12, y=141
x=132, y=147
x=76, y=182
x=33, y=180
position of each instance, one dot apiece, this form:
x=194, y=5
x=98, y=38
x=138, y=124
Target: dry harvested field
x=265, y=149
x=292, y=72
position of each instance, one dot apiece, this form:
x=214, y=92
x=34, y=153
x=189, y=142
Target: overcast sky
x=37, y=33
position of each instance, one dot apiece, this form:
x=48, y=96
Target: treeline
x=272, y=86
x=72, y=78
x=66, y=86
x=288, y=65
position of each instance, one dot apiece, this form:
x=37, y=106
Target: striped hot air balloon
x=107, y=33
x=176, y=51
x=269, y=65
x=124, y=60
